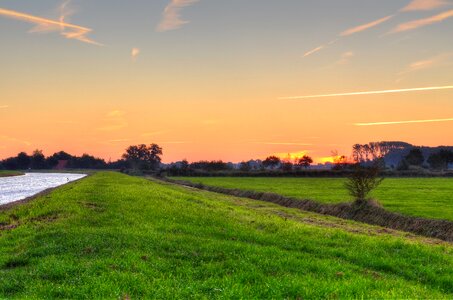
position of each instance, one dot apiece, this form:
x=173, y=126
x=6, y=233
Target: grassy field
x=423, y=197
x=10, y=173
x=114, y=236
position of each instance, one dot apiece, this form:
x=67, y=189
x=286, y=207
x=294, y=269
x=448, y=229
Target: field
x=423, y=197
x=10, y=173
x=114, y=236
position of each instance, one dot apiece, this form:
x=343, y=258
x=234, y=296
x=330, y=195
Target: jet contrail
x=432, y=88
x=404, y=122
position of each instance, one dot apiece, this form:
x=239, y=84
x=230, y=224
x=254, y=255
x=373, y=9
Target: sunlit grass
x=112, y=236
x=424, y=197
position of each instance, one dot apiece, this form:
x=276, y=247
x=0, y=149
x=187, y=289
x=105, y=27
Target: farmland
x=114, y=236
x=423, y=197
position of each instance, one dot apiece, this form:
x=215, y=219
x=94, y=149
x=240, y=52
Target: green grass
x=10, y=173
x=423, y=197
x=113, y=236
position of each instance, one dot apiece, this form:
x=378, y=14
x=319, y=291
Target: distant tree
x=339, y=161
x=245, y=166
x=143, y=157
x=286, y=165
x=415, y=157
x=272, y=162
x=184, y=165
x=304, y=161
x=23, y=161
x=441, y=159
x=38, y=160
x=362, y=181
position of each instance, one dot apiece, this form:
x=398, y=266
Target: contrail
x=404, y=122
x=432, y=88
x=76, y=32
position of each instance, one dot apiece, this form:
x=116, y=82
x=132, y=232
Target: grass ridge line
x=369, y=213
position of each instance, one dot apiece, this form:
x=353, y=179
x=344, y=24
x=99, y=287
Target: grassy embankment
x=111, y=236
x=421, y=197
x=10, y=173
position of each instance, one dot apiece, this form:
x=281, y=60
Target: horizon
x=231, y=81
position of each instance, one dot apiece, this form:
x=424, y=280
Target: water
x=20, y=187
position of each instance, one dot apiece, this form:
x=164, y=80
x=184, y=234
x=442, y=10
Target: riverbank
x=10, y=173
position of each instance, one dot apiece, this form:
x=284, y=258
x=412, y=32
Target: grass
x=114, y=236
x=10, y=173
x=422, y=197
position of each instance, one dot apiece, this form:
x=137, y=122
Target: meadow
x=114, y=236
x=422, y=197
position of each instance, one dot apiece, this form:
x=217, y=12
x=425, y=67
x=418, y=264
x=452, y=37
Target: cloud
x=349, y=32
x=171, y=17
x=404, y=122
x=67, y=30
x=364, y=27
x=345, y=58
x=285, y=144
x=115, y=120
x=134, y=53
x=14, y=140
x=417, y=5
x=423, y=22
x=317, y=49
x=4, y=106
x=432, y=62
x=433, y=88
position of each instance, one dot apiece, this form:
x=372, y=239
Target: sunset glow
x=214, y=81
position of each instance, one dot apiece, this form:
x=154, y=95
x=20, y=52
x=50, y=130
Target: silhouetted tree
x=441, y=159
x=23, y=161
x=38, y=160
x=143, y=157
x=415, y=157
x=245, y=166
x=304, y=161
x=272, y=162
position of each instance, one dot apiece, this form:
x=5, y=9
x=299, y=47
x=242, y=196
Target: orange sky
x=215, y=88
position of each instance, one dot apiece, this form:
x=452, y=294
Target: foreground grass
x=113, y=236
x=10, y=173
x=422, y=197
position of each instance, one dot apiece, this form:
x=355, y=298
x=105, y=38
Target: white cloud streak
x=420, y=5
x=69, y=31
x=171, y=17
x=433, y=88
x=404, y=122
x=366, y=26
x=422, y=22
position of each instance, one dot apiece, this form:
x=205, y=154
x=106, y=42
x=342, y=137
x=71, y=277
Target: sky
x=231, y=80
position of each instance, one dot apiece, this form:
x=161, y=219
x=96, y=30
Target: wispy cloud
x=171, y=17
x=115, y=120
x=366, y=26
x=417, y=5
x=14, y=140
x=67, y=30
x=134, y=54
x=423, y=22
x=4, y=106
x=433, y=88
x=345, y=58
x=404, y=122
x=317, y=49
x=432, y=62
x=285, y=144
x=153, y=133
x=349, y=32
